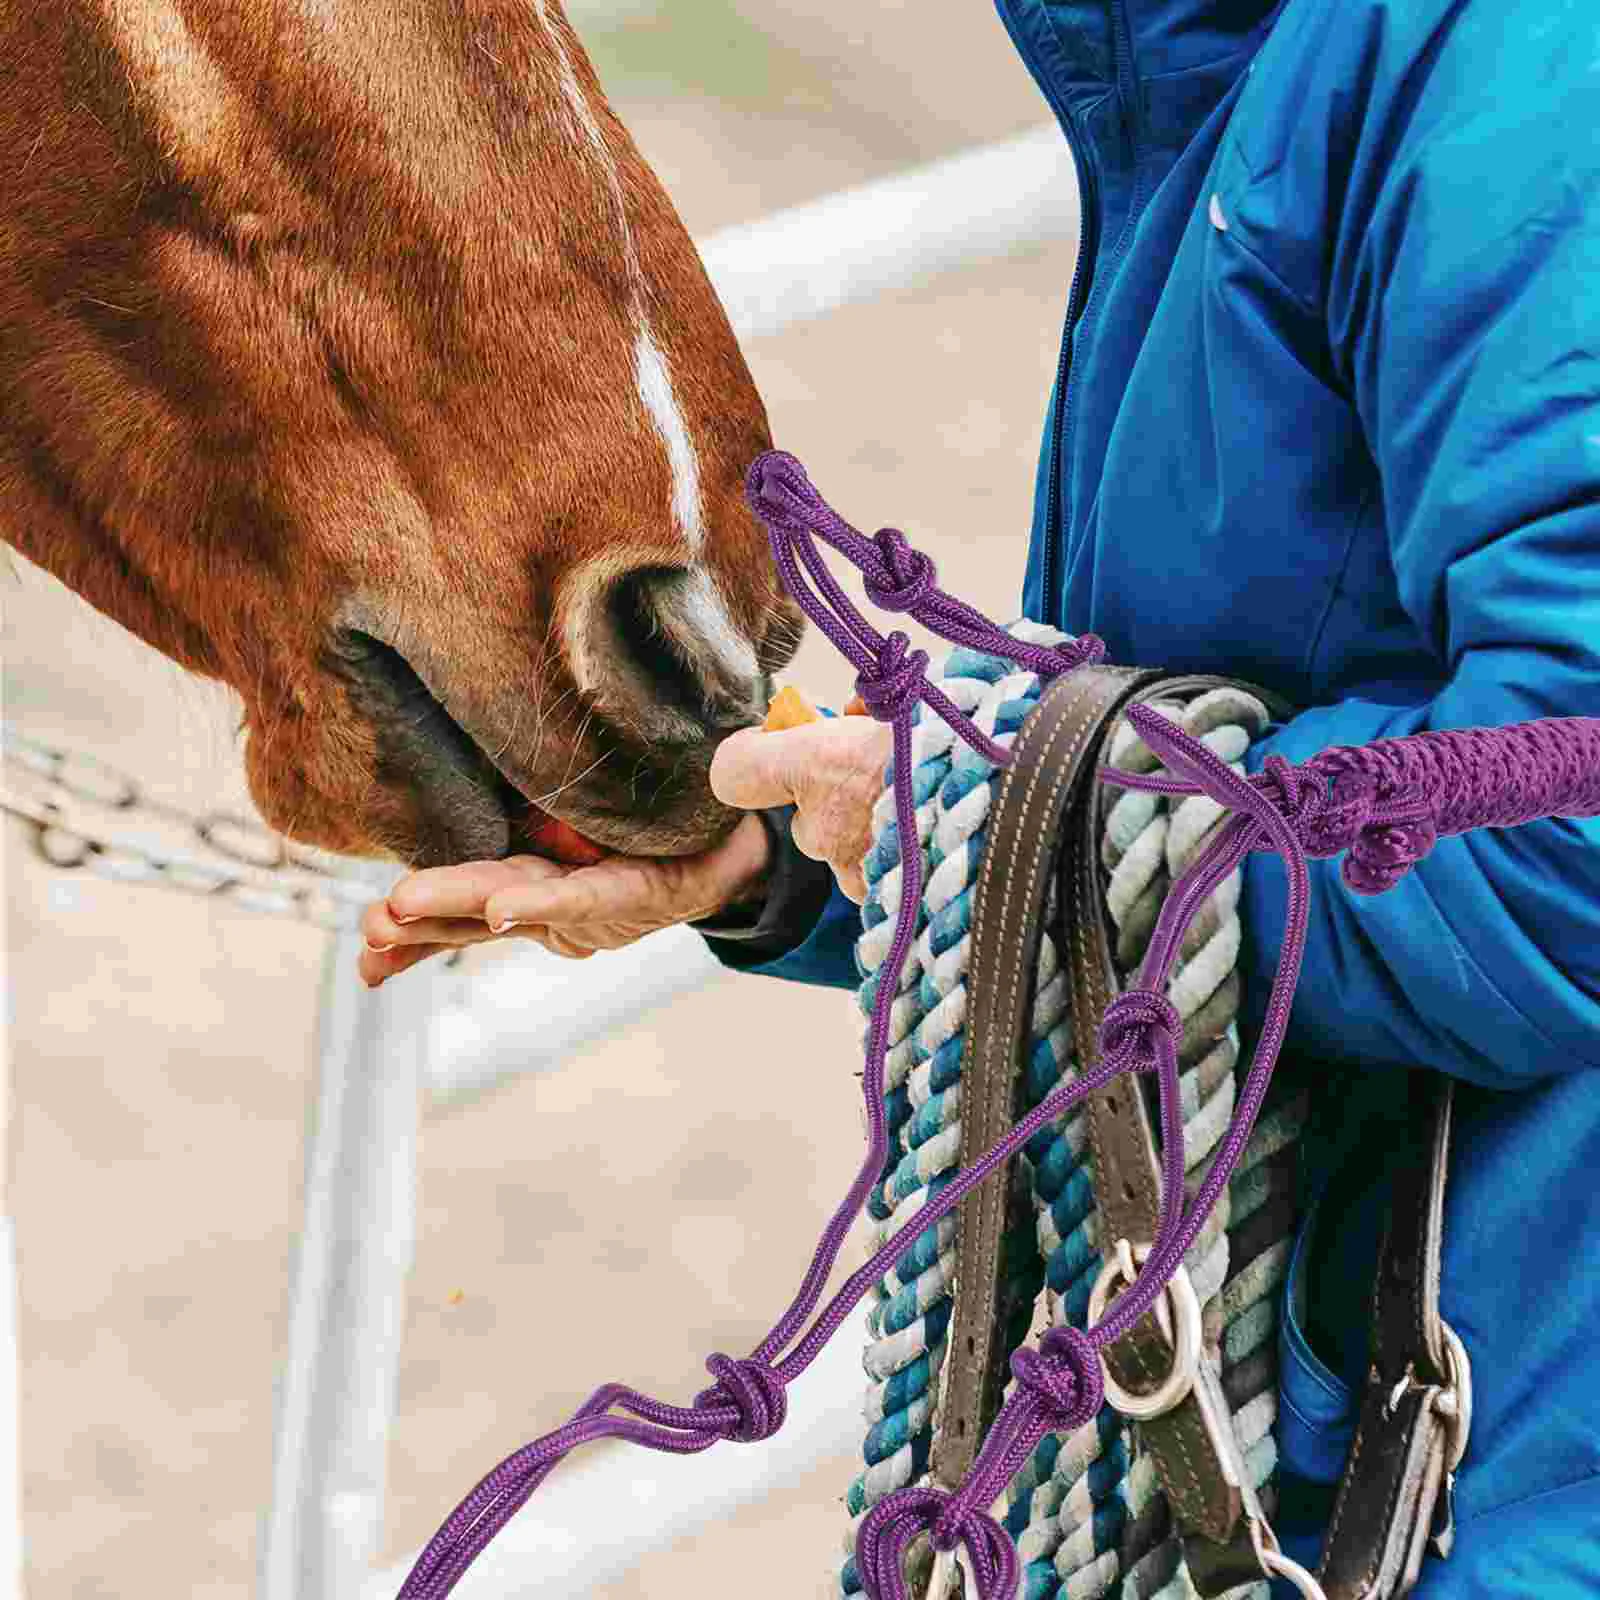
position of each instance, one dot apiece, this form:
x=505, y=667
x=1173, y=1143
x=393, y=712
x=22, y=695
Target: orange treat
x=790, y=709
x=855, y=707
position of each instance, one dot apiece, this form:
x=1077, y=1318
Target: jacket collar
x=1165, y=63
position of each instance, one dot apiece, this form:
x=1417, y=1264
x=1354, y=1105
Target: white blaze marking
x=652, y=374
x=655, y=390
x=708, y=617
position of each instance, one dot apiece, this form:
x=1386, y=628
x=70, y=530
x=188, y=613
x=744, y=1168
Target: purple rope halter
x=1384, y=804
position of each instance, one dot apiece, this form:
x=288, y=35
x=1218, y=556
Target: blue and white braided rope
x=1088, y=1513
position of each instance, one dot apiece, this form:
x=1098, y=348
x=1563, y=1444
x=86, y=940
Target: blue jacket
x=1328, y=418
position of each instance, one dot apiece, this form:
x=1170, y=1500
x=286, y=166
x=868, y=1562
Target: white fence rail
x=457, y=1034
x=894, y=233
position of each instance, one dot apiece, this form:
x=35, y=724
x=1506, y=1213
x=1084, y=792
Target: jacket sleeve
x=1464, y=319
x=804, y=930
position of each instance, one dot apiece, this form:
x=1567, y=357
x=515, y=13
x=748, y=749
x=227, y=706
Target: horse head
x=353, y=356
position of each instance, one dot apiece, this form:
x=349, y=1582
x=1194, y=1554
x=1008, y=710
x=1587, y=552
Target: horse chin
x=694, y=823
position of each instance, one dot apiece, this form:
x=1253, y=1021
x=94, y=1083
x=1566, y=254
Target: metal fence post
x=336, y=1391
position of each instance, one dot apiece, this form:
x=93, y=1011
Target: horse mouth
x=466, y=808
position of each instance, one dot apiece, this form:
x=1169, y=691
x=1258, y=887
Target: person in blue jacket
x=1327, y=418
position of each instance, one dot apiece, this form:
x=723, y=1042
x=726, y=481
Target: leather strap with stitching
x=1400, y=1458
x=1050, y=761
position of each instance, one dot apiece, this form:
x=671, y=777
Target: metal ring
x=1184, y=1331
x=1460, y=1375
x=1280, y=1566
x=947, y=1581
x=98, y=782
x=241, y=839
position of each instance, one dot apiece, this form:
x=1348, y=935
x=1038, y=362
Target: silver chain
x=83, y=815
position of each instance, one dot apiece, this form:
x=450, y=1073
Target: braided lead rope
x=1386, y=817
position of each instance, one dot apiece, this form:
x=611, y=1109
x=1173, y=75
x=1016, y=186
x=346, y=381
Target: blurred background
x=657, y=1198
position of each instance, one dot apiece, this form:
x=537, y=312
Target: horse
x=354, y=357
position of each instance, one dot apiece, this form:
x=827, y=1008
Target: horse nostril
x=658, y=653
x=679, y=651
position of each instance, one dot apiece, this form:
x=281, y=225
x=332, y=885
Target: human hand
x=830, y=770
x=572, y=911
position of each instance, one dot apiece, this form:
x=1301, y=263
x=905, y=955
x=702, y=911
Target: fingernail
x=503, y=927
x=377, y=949
x=398, y=918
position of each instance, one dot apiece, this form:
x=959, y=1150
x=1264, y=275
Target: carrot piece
x=790, y=709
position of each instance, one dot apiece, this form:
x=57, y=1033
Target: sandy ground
x=161, y=1049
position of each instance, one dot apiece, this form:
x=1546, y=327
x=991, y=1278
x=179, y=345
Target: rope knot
x=1384, y=852
x=1382, y=838
x=780, y=493
x=1126, y=1033
x=897, y=680
x=754, y=1390
x=1086, y=650
x=908, y=576
x=1065, y=1373
x=1302, y=799
x=888, y=1529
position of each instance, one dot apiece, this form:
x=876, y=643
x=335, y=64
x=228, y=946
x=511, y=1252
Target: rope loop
x=754, y=1389
x=1065, y=1375
x=1306, y=804
x=895, y=684
x=888, y=1529
x=1127, y=1030
x=780, y=493
x=908, y=576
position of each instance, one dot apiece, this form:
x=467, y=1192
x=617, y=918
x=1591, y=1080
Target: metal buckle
x=1181, y=1325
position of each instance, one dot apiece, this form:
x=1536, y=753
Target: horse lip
x=469, y=808
x=466, y=808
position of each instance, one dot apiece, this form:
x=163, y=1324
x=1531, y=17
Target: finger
x=622, y=889
x=379, y=929
x=382, y=932
x=461, y=891
x=809, y=835
x=853, y=882
x=453, y=931
x=376, y=968
x=753, y=769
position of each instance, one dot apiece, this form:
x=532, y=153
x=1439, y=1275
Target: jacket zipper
x=1082, y=281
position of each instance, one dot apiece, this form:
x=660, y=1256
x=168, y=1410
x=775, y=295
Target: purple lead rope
x=1384, y=805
